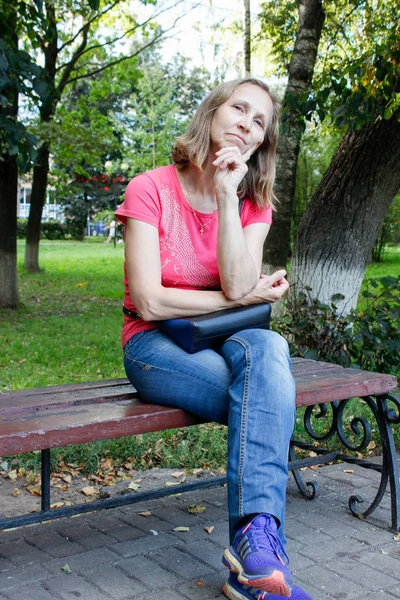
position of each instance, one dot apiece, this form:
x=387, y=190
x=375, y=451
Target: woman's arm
x=155, y=302
x=239, y=250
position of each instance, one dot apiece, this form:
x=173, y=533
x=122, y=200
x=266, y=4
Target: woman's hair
x=194, y=145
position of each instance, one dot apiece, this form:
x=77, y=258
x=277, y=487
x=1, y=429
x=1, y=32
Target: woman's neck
x=199, y=187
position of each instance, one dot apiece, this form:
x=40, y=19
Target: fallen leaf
x=197, y=471
x=66, y=569
x=196, y=509
x=181, y=529
x=34, y=490
x=66, y=477
x=13, y=474
x=107, y=464
x=397, y=537
x=209, y=529
x=153, y=532
x=172, y=483
x=200, y=582
x=178, y=474
x=83, y=284
x=133, y=486
x=89, y=490
x=15, y=492
x=145, y=514
x=57, y=505
x=348, y=471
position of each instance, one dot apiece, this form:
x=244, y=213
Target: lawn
x=67, y=330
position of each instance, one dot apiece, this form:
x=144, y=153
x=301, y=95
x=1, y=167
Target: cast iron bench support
x=44, y=418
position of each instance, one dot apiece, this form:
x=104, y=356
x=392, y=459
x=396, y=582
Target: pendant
x=201, y=231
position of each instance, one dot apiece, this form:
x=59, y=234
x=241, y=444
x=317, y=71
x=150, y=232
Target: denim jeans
x=247, y=384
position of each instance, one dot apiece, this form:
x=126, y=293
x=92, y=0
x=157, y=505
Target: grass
x=67, y=330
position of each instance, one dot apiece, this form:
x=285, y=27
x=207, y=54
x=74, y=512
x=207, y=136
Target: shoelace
x=274, y=542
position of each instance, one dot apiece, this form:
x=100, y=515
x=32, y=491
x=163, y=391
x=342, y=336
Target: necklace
x=201, y=225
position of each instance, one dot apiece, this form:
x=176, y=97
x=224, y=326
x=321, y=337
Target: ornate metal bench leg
x=385, y=417
x=309, y=489
x=45, y=485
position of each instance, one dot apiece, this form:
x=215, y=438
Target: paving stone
x=27, y=592
x=370, y=578
x=55, y=545
x=82, y=563
x=144, y=545
x=5, y=564
x=382, y=562
x=394, y=592
x=181, y=563
x=19, y=552
x=210, y=587
x=114, y=582
x=333, y=550
x=206, y=551
x=219, y=534
x=168, y=595
x=328, y=582
x=119, y=529
x=153, y=523
x=74, y=586
x=19, y=576
x=306, y=534
x=178, y=517
x=149, y=572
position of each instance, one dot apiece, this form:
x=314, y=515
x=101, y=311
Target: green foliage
x=22, y=225
x=390, y=231
x=367, y=339
x=52, y=230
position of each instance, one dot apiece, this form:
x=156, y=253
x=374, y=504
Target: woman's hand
x=270, y=288
x=231, y=168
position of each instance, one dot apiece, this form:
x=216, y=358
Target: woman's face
x=242, y=120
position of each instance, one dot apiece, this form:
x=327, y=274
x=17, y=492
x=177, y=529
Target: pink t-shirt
x=188, y=258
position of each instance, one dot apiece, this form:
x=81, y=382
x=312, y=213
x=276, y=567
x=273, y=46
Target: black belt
x=130, y=313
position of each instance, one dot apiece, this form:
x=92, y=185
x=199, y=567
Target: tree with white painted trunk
x=336, y=236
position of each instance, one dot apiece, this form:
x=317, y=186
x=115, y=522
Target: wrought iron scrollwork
x=323, y=411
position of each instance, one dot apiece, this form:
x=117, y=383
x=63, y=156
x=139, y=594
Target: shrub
x=367, y=339
x=52, y=230
x=22, y=225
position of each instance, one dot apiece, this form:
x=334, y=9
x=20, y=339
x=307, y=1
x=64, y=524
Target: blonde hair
x=194, y=145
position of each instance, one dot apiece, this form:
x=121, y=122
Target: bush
x=22, y=225
x=368, y=339
x=52, y=230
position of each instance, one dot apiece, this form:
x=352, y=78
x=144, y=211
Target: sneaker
x=234, y=590
x=256, y=555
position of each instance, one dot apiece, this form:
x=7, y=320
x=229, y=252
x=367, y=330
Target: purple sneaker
x=257, y=555
x=234, y=590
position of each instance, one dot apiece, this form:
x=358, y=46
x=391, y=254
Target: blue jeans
x=246, y=385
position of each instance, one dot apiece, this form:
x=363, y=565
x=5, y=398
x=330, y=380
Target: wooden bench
x=44, y=418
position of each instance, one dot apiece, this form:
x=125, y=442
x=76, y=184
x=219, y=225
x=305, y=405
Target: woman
x=189, y=252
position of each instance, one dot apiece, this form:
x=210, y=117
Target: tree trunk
x=8, y=196
x=8, y=232
x=301, y=70
x=340, y=226
x=41, y=171
x=247, y=39
x=38, y=198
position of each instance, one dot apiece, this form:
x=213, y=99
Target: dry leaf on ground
x=209, y=529
x=196, y=509
x=181, y=529
x=89, y=490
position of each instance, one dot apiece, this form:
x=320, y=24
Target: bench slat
x=69, y=414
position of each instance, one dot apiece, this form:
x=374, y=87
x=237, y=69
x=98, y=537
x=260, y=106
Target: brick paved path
x=119, y=555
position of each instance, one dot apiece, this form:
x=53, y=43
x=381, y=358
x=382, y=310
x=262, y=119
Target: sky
x=195, y=37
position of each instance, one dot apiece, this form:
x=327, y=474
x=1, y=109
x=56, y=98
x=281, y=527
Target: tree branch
x=157, y=38
x=129, y=31
x=96, y=16
x=77, y=54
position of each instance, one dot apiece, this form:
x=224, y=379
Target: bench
x=50, y=417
